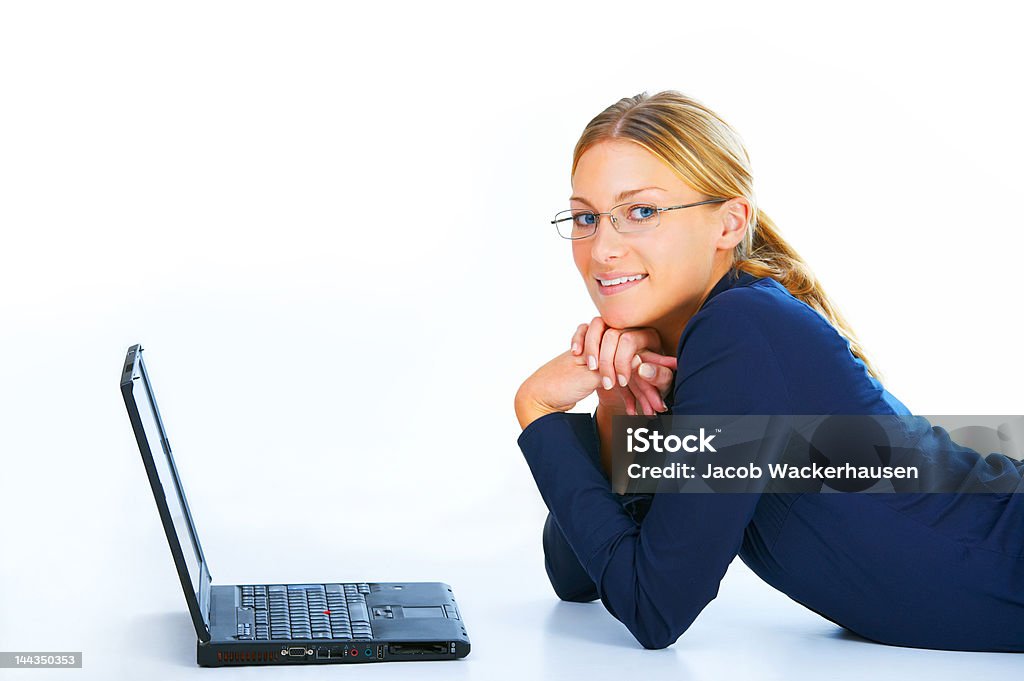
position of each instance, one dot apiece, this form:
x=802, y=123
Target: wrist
x=529, y=410
x=607, y=411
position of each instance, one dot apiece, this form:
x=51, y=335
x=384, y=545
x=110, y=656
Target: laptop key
x=357, y=612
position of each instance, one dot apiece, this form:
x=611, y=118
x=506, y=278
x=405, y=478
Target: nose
x=606, y=244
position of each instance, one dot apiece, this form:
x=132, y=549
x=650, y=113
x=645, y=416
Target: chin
x=621, y=319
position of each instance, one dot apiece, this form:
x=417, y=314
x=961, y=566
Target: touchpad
x=422, y=611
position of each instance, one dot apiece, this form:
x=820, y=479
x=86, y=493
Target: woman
x=705, y=309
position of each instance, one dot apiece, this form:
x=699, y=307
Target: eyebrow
x=621, y=196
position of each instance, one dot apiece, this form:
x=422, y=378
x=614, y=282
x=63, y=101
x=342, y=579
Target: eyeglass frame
x=611, y=216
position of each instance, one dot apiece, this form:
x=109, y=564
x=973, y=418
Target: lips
x=615, y=282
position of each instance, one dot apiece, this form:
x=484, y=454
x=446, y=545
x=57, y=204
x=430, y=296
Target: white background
x=328, y=225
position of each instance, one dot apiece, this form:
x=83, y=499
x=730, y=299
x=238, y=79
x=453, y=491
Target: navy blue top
x=923, y=570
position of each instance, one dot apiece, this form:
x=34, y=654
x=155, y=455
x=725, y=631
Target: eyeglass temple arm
x=691, y=205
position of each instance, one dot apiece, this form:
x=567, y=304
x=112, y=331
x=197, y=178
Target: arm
x=657, y=576
x=568, y=578
x=603, y=421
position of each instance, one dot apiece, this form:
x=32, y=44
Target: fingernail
x=622, y=380
x=575, y=348
x=646, y=370
x=607, y=382
x=636, y=361
x=591, y=363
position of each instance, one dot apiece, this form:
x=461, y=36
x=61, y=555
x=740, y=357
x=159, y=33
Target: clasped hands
x=625, y=366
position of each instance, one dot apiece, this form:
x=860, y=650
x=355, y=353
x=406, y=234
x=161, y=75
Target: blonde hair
x=710, y=157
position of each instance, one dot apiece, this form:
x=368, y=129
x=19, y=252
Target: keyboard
x=307, y=611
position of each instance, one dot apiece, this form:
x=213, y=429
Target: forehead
x=612, y=166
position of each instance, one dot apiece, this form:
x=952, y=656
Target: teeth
x=620, y=280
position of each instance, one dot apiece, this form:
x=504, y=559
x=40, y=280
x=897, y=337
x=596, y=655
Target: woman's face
x=676, y=260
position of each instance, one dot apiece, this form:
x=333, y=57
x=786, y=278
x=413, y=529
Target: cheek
x=580, y=255
x=681, y=257
x=674, y=269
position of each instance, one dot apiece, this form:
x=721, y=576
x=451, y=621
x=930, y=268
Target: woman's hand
x=556, y=386
x=635, y=376
x=627, y=362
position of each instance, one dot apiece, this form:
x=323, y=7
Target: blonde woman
x=705, y=309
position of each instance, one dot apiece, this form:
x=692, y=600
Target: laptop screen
x=173, y=492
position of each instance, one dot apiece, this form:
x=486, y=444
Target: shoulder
x=767, y=304
x=757, y=336
x=761, y=315
x=729, y=352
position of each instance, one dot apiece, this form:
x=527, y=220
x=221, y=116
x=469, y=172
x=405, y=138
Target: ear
x=734, y=215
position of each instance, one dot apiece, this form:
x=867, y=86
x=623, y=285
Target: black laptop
x=316, y=623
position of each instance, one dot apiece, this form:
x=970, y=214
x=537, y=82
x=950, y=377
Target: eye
x=584, y=219
x=641, y=213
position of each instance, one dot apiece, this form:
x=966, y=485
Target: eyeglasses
x=578, y=223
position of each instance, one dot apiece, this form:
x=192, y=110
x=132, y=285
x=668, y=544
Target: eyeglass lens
x=579, y=223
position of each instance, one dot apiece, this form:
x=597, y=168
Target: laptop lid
x=167, y=490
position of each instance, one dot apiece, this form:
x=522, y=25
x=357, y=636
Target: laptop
x=284, y=624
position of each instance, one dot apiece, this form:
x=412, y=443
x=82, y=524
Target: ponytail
x=771, y=256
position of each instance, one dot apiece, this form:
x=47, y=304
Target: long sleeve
x=567, y=576
x=656, y=576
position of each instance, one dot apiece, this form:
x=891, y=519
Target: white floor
x=289, y=482
x=113, y=596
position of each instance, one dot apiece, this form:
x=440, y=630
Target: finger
x=660, y=378
x=632, y=396
x=627, y=397
x=642, y=403
x=576, y=345
x=633, y=342
x=645, y=405
x=592, y=341
x=661, y=360
x=606, y=358
x=652, y=373
x=625, y=351
x=651, y=395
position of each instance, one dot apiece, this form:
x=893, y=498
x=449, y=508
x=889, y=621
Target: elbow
x=655, y=628
x=568, y=578
x=574, y=596
x=657, y=641
x=655, y=635
x=574, y=587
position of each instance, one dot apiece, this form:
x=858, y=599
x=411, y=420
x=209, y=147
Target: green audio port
x=367, y=652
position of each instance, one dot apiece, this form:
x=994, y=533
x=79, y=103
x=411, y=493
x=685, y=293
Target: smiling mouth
x=611, y=283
